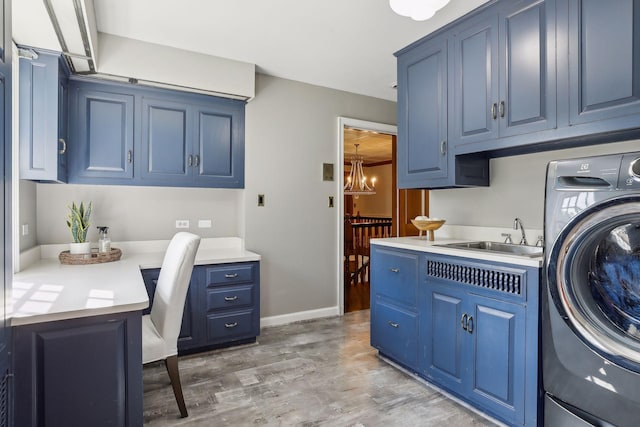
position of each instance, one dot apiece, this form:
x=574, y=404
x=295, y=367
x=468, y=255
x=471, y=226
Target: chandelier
x=356, y=181
x=418, y=10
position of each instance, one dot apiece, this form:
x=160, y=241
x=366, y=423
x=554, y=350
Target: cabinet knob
x=470, y=325
x=231, y=276
x=129, y=156
x=231, y=325
x=393, y=324
x=501, y=108
x=190, y=160
x=394, y=270
x=233, y=298
x=64, y=146
x=494, y=111
x=443, y=148
x=197, y=160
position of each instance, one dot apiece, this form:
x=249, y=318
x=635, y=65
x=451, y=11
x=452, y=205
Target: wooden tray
x=93, y=258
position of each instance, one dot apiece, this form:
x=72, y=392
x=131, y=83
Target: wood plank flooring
x=314, y=373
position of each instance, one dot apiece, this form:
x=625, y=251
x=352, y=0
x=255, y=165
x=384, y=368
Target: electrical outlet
x=204, y=223
x=182, y=223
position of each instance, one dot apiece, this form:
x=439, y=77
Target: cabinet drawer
x=394, y=274
x=229, y=274
x=229, y=326
x=394, y=332
x=229, y=297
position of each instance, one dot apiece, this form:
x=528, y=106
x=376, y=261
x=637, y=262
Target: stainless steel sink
x=497, y=247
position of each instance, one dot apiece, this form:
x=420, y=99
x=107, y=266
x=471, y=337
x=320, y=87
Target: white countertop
x=423, y=245
x=47, y=290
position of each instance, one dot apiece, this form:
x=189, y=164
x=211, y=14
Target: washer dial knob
x=634, y=168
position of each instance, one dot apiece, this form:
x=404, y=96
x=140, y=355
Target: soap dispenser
x=104, y=243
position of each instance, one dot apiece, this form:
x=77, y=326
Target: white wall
x=136, y=213
x=291, y=129
x=517, y=189
x=378, y=204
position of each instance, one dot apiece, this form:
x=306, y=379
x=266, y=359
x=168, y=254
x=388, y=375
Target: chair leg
x=171, y=363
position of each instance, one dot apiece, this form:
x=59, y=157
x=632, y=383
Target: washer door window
x=596, y=280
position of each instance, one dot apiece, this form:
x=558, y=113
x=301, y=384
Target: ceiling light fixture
x=418, y=10
x=356, y=181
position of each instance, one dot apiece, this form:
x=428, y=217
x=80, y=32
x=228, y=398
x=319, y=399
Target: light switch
x=260, y=199
x=204, y=223
x=330, y=201
x=327, y=171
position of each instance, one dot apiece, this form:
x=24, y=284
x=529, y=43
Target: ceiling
x=341, y=44
x=374, y=147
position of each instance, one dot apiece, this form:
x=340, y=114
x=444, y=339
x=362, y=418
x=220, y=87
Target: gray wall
x=517, y=189
x=136, y=213
x=292, y=128
x=28, y=212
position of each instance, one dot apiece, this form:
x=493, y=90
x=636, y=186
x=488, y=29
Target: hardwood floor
x=357, y=297
x=314, y=373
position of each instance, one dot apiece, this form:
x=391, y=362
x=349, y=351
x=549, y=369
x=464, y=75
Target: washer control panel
x=629, y=178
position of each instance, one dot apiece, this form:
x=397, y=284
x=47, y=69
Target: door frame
x=344, y=122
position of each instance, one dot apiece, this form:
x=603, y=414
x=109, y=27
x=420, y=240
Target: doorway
x=379, y=161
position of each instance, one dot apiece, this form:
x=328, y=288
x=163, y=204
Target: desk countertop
x=48, y=291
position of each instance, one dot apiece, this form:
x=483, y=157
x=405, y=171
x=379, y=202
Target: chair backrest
x=173, y=283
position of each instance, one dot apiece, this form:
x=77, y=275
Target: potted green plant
x=78, y=223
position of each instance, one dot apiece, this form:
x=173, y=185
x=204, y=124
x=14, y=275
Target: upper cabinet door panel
x=165, y=135
x=476, y=82
x=604, y=59
x=215, y=144
x=528, y=89
x=103, y=134
x=422, y=114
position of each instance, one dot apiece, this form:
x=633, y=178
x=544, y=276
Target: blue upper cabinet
x=504, y=75
x=166, y=138
x=102, y=133
x=422, y=113
x=604, y=61
x=43, y=118
x=132, y=135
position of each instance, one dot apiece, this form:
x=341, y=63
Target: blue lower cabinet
x=394, y=331
x=80, y=372
x=222, y=306
x=474, y=329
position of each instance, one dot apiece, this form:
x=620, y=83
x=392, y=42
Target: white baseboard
x=284, y=319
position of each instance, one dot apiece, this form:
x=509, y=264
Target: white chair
x=161, y=327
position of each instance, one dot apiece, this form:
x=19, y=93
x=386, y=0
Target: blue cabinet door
x=422, y=114
x=166, y=141
x=475, y=82
x=527, y=49
x=495, y=354
x=218, y=147
x=102, y=134
x=442, y=358
x=604, y=60
x=42, y=123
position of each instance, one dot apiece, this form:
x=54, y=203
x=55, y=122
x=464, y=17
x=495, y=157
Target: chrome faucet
x=518, y=223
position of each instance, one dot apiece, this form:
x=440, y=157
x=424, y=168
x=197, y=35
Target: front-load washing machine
x=591, y=299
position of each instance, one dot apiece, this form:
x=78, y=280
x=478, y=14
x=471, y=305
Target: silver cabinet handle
x=463, y=321
x=190, y=160
x=443, y=148
x=129, y=156
x=231, y=276
x=501, y=108
x=231, y=325
x=494, y=111
x=233, y=298
x=394, y=270
x=64, y=146
x=197, y=160
x=393, y=325
x=470, y=325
